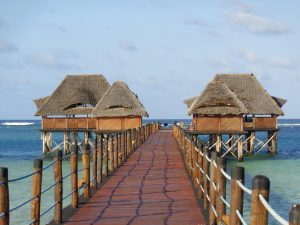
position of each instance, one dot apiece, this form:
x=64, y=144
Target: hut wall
x=68, y=123
x=118, y=123
x=218, y=123
x=265, y=122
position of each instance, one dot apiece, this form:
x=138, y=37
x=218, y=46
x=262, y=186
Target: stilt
x=273, y=135
x=250, y=143
x=66, y=142
x=231, y=138
x=240, y=149
x=218, y=139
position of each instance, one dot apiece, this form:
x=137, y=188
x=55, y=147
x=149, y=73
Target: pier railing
x=99, y=159
x=208, y=173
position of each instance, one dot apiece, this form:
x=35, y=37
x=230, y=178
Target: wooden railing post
x=74, y=176
x=95, y=162
x=195, y=163
x=294, y=215
x=4, y=196
x=260, y=186
x=110, y=155
x=100, y=158
x=123, y=145
x=119, y=150
x=36, y=191
x=200, y=169
x=115, y=151
x=105, y=160
x=221, y=189
x=205, y=180
x=86, y=169
x=212, y=188
x=58, y=189
x=130, y=141
x=236, y=195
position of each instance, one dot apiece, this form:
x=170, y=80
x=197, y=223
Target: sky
x=165, y=50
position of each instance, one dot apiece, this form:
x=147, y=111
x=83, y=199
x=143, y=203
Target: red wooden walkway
x=152, y=187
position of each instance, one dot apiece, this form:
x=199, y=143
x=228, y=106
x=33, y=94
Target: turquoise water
x=19, y=145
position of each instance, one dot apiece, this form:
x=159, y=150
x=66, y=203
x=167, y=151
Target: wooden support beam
x=273, y=135
x=240, y=148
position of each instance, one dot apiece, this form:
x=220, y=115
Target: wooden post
x=36, y=191
x=260, y=186
x=100, y=158
x=294, y=215
x=95, y=162
x=200, y=174
x=236, y=194
x=250, y=142
x=205, y=180
x=74, y=176
x=218, y=139
x=273, y=143
x=212, y=189
x=86, y=169
x=231, y=142
x=195, y=162
x=4, y=196
x=119, y=150
x=123, y=146
x=105, y=148
x=115, y=151
x=110, y=155
x=58, y=189
x=221, y=189
x=240, y=149
x=66, y=142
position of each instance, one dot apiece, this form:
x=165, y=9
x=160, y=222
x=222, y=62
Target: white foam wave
x=289, y=124
x=17, y=123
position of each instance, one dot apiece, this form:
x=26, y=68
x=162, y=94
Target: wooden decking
x=152, y=187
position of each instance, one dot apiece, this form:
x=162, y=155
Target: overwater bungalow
x=235, y=104
x=70, y=106
x=119, y=109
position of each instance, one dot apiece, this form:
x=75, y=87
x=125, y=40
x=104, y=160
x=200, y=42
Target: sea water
x=20, y=143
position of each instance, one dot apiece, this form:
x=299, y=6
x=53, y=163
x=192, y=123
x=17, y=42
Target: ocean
x=20, y=143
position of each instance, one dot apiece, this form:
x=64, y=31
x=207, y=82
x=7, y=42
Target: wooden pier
x=152, y=187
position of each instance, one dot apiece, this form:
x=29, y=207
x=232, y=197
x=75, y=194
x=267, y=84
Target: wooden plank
x=265, y=122
x=152, y=187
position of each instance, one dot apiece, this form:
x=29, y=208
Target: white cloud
x=257, y=24
x=247, y=55
x=6, y=47
x=127, y=46
x=51, y=62
x=283, y=63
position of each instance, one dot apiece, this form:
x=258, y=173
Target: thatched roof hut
x=39, y=102
x=235, y=94
x=119, y=101
x=76, y=95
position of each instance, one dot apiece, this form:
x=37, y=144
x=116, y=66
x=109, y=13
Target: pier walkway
x=152, y=187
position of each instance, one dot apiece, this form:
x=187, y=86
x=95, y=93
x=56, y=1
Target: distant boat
x=17, y=123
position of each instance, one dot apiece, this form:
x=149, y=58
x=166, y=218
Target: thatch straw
x=77, y=94
x=119, y=100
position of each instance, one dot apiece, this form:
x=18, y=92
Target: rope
x=46, y=167
x=208, y=159
x=23, y=177
x=22, y=204
x=271, y=211
x=202, y=188
x=224, y=201
x=68, y=195
x=197, y=165
x=214, y=186
x=202, y=171
x=225, y=174
x=47, y=210
x=2, y=214
x=48, y=188
x=208, y=178
x=2, y=182
x=208, y=198
x=245, y=189
x=215, y=164
x=67, y=156
x=240, y=217
x=197, y=180
x=66, y=176
x=214, y=210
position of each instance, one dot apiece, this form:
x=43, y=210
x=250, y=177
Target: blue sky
x=165, y=50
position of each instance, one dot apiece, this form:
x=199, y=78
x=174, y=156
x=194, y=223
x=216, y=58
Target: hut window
x=248, y=118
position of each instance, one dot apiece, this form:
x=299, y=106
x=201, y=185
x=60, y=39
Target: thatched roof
x=77, y=94
x=280, y=101
x=189, y=101
x=39, y=102
x=217, y=98
x=235, y=94
x=119, y=100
